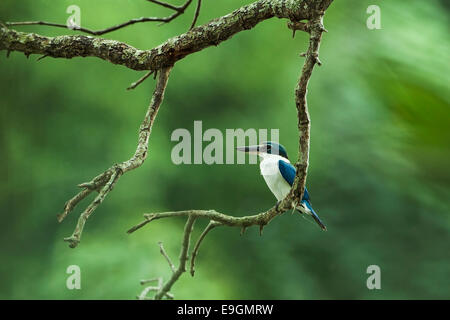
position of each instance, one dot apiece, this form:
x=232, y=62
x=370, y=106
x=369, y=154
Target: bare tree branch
x=86, y=30
x=70, y=204
x=138, y=82
x=174, y=49
x=170, y=6
x=228, y=220
x=144, y=293
x=315, y=28
x=183, y=259
x=165, y=255
x=143, y=282
x=105, y=182
x=69, y=47
x=211, y=225
x=196, y=14
x=179, y=10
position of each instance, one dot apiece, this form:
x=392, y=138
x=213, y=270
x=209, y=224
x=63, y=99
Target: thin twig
x=138, y=82
x=70, y=205
x=144, y=293
x=179, y=11
x=74, y=239
x=142, y=282
x=211, y=225
x=165, y=4
x=86, y=30
x=183, y=258
x=166, y=256
x=196, y=14
x=42, y=57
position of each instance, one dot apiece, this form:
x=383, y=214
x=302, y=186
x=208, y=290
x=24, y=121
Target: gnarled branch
x=174, y=49
x=315, y=28
x=106, y=181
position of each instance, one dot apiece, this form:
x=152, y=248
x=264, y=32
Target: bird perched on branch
x=279, y=174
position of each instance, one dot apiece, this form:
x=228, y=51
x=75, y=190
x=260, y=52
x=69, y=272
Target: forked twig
x=106, y=181
x=164, y=290
x=211, y=225
x=165, y=255
x=179, y=10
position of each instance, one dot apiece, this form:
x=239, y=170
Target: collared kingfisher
x=279, y=174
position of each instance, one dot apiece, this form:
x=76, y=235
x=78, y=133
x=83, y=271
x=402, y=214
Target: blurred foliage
x=378, y=174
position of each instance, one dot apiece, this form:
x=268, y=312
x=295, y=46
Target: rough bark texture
x=174, y=49
x=315, y=28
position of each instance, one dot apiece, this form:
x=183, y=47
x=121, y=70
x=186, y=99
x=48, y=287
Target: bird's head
x=267, y=147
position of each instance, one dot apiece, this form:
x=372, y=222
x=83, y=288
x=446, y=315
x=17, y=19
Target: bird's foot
x=277, y=206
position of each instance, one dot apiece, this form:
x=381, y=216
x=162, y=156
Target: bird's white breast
x=271, y=173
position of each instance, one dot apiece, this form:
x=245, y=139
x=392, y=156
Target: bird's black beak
x=249, y=149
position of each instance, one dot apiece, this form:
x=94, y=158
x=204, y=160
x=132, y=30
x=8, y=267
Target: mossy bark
x=174, y=49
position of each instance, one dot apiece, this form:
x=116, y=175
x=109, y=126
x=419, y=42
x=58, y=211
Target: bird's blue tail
x=315, y=216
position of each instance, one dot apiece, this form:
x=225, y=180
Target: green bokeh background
x=379, y=164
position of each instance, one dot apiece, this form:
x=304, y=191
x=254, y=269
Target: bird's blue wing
x=306, y=195
x=287, y=171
